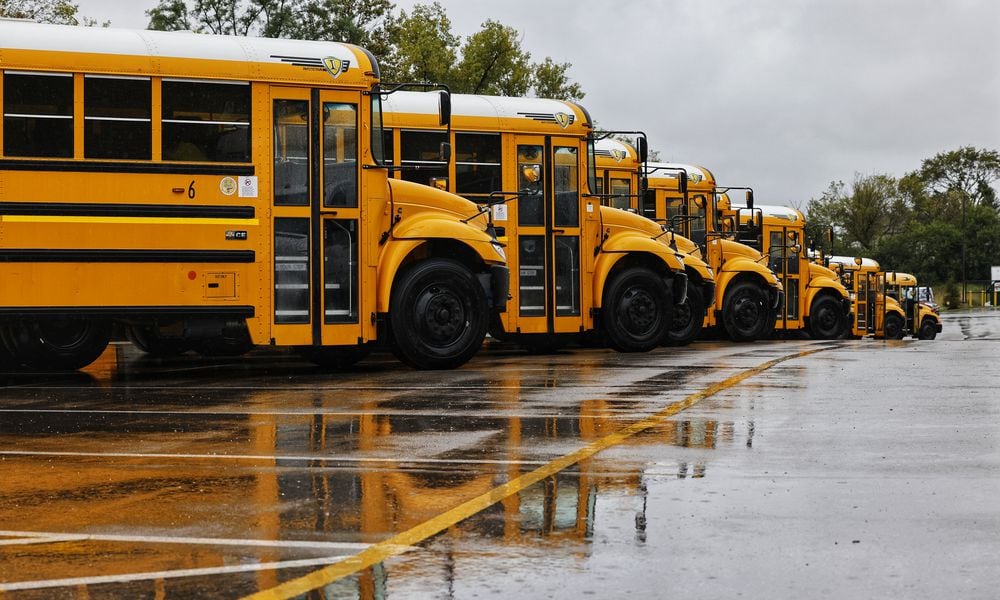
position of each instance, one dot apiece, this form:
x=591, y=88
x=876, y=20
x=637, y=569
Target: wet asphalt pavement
x=867, y=469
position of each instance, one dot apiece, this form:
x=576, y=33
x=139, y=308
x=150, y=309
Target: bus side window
x=38, y=115
x=206, y=121
x=117, y=118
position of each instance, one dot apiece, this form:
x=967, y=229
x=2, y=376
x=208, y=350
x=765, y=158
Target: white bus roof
x=849, y=261
x=669, y=170
x=296, y=54
x=560, y=113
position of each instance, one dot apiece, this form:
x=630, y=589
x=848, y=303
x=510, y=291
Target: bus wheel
x=826, y=321
x=893, y=329
x=438, y=315
x=334, y=358
x=58, y=343
x=688, y=319
x=928, y=330
x=745, y=312
x=148, y=339
x=638, y=311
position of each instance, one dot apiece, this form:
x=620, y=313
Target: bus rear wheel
x=58, y=343
x=745, y=312
x=826, y=319
x=438, y=314
x=638, y=311
x=688, y=318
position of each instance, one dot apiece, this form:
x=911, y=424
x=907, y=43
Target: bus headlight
x=499, y=248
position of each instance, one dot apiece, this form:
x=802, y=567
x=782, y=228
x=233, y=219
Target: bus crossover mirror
x=750, y=199
x=857, y=260
x=444, y=108
x=682, y=182
x=812, y=244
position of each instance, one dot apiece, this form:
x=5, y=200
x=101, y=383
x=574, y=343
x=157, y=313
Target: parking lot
x=782, y=469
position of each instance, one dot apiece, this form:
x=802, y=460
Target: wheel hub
x=441, y=315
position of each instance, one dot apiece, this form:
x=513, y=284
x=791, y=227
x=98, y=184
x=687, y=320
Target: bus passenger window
x=477, y=165
x=621, y=192
x=206, y=121
x=38, y=115
x=117, y=118
x=422, y=149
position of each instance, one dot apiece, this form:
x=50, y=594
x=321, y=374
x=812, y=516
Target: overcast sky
x=782, y=96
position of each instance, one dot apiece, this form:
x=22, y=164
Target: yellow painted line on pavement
x=401, y=542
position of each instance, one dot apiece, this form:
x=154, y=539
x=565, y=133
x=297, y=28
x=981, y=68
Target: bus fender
x=821, y=284
x=410, y=235
x=619, y=247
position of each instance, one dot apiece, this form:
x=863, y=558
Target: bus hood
x=422, y=197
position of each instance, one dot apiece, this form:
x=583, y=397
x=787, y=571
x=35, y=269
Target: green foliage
x=414, y=46
x=493, y=63
x=551, y=81
x=423, y=47
x=922, y=223
x=60, y=12
x=862, y=217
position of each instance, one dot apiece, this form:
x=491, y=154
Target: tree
x=335, y=20
x=59, y=12
x=493, y=63
x=551, y=81
x=968, y=171
x=423, y=46
x=873, y=210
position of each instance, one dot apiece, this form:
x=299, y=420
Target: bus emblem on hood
x=563, y=119
x=618, y=155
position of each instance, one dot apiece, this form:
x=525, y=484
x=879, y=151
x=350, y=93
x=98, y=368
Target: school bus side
x=581, y=268
x=208, y=192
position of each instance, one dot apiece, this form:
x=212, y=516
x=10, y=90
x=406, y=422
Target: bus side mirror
x=812, y=245
x=642, y=149
x=750, y=199
x=444, y=153
x=444, y=108
x=682, y=182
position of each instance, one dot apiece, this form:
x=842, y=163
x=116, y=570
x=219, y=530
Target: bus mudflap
x=496, y=285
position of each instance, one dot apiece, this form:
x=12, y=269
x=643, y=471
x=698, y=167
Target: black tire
x=826, y=319
x=745, y=312
x=58, y=343
x=438, y=314
x=638, y=311
x=894, y=326
x=689, y=318
x=148, y=339
x=334, y=358
x=928, y=329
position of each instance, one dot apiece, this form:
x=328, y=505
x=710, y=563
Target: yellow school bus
x=216, y=192
x=815, y=300
x=581, y=268
x=744, y=299
x=620, y=184
x=876, y=314
x=922, y=321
